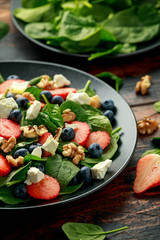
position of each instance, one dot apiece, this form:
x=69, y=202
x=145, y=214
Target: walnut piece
x=58, y=134
x=8, y=145
x=46, y=83
x=143, y=85
x=75, y=152
x=147, y=126
x=95, y=101
x=15, y=162
x=68, y=116
x=41, y=130
x=29, y=96
x=32, y=132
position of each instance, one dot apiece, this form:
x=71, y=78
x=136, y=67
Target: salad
x=54, y=139
x=95, y=27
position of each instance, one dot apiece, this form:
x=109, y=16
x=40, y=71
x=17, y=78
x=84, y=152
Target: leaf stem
x=116, y=230
x=87, y=85
x=116, y=130
x=6, y=92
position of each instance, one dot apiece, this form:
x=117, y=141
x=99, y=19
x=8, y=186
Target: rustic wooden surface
x=115, y=205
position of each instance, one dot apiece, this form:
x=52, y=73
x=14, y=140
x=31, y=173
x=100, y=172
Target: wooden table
x=115, y=205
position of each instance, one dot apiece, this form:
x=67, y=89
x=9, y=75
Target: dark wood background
x=115, y=205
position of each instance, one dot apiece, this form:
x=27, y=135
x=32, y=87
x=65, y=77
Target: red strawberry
x=48, y=188
x=42, y=140
x=100, y=137
x=8, y=83
x=9, y=128
x=81, y=133
x=63, y=92
x=42, y=104
x=147, y=173
x=4, y=166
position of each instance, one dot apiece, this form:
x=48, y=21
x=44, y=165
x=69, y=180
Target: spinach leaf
x=1, y=78
x=35, y=81
x=128, y=48
x=80, y=113
x=7, y=196
x=4, y=28
x=156, y=106
x=97, y=120
x=152, y=151
x=33, y=3
x=148, y=14
x=85, y=231
x=35, y=91
x=60, y=169
x=23, y=144
x=108, y=75
x=38, y=14
x=87, y=89
x=70, y=189
x=30, y=157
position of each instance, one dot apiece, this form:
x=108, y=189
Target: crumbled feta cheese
x=50, y=145
x=99, y=170
x=72, y=125
x=34, y=175
x=2, y=96
x=37, y=152
x=6, y=106
x=1, y=140
x=19, y=88
x=33, y=110
x=60, y=81
x=81, y=98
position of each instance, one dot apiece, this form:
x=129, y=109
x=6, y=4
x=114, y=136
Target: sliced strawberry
x=147, y=173
x=48, y=188
x=9, y=128
x=63, y=92
x=81, y=133
x=8, y=83
x=42, y=104
x=42, y=140
x=4, y=166
x=100, y=137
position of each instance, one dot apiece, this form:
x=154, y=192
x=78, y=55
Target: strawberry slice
x=4, y=166
x=42, y=140
x=63, y=92
x=81, y=133
x=9, y=128
x=147, y=173
x=100, y=137
x=48, y=188
x=8, y=83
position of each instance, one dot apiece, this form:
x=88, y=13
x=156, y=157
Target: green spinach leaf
x=70, y=189
x=33, y=3
x=87, y=89
x=152, y=151
x=7, y=196
x=156, y=106
x=4, y=28
x=1, y=78
x=35, y=91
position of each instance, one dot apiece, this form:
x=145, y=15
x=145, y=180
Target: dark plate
x=124, y=118
x=142, y=48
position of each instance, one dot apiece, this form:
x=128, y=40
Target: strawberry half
x=48, y=188
x=42, y=140
x=100, y=137
x=81, y=133
x=4, y=166
x=147, y=173
x=8, y=83
x=9, y=128
x=63, y=92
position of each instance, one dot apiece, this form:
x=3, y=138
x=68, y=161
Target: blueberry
x=76, y=180
x=47, y=94
x=16, y=115
x=10, y=95
x=33, y=146
x=20, y=152
x=57, y=100
x=40, y=166
x=109, y=114
x=95, y=150
x=20, y=190
x=107, y=105
x=68, y=134
x=22, y=102
x=12, y=77
x=85, y=175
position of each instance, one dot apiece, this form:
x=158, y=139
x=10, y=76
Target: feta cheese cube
x=81, y=98
x=99, y=170
x=6, y=106
x=19, y=88
x=72, y=125
x=34, y=175
x=37, y=152
x=60, y=81
x=33, y=110
x=50, y=145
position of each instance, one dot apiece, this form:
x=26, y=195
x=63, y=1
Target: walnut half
x=15, y=162
x=147, y=126
x=143, y=85
x=76, y=153
x=8, y=145
x=68, y=116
